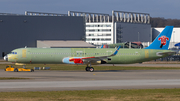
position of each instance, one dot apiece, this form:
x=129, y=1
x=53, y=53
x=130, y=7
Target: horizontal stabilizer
x=165, y=53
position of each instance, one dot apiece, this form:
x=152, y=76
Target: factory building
x=118, y=27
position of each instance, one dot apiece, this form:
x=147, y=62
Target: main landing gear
x=91, y=69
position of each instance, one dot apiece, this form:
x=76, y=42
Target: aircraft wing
x=87, y=60
x=100, y=57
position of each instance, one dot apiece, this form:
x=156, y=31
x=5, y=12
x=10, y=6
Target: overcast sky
x=156, y=8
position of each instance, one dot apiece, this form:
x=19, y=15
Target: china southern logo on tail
x=163, y=40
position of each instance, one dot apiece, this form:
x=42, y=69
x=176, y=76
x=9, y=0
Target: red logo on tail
x=163, y=39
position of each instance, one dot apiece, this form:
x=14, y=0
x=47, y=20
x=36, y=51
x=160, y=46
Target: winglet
x=116, y=51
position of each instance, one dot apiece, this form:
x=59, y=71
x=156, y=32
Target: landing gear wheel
x=91, y=69
x=32, y=70
x=16, y=70
x=87, y=68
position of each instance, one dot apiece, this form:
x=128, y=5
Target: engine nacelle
x=76, y=60
x=101, y=62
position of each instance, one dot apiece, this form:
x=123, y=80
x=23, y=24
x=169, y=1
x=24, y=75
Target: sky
x=168, y=9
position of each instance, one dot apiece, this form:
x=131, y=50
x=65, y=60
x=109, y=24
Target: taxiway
x=45, y=80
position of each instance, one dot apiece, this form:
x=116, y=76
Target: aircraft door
x=79, y=53
x=24, y=53
x=109, y=52
x=25, y=56
x=146, y=54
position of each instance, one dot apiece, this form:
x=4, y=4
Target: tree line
x=161, y=22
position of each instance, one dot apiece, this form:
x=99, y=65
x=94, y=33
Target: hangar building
x=18, y=31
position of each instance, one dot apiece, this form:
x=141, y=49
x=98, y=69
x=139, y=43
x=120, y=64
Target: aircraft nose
x=6, y=58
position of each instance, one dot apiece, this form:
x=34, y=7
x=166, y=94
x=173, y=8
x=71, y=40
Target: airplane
x=92, y=56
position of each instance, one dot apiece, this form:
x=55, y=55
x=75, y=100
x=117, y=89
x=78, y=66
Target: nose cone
x=6, y=58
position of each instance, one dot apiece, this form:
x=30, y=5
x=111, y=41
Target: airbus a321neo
x=89, y=56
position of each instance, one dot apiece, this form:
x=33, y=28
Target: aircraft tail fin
x=162, y=40
x=102, y=46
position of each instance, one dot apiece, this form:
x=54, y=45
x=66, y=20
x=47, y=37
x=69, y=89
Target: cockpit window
x=13, y=53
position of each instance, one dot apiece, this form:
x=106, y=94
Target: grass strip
x=95, y=95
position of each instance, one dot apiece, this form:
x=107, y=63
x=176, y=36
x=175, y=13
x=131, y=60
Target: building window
x=98, y=25
x=88, y=39
x=106, y=30
x=108, y=25
x=98, y=30
x=99, y=34
x=107, y=39
x=92, y=30
x=108, y=34
x=102, y=39
x=91, y=34
x=89, y=25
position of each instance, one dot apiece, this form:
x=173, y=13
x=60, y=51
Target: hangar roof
x=63, y=44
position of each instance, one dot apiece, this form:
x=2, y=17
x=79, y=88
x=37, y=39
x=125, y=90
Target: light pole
x=173, y=38
x=138, y=36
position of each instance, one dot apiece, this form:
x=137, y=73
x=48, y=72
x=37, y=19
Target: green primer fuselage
x=56, y=55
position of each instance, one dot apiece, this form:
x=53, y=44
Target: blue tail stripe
x=162, y=40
